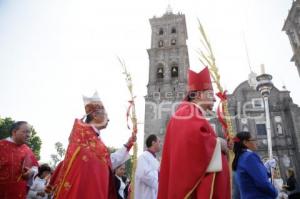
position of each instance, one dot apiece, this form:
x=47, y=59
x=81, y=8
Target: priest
x=194, y=163
x=86, y=171
x=17, y=162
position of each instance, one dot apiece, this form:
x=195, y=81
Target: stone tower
x=168, y=66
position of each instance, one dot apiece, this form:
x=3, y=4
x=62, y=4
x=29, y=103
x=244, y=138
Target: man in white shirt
x=146, y=176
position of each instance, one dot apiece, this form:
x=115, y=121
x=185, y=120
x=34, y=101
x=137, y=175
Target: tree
x=61, y=151
x=128, y=165
x=35, y=141
x=5, y=125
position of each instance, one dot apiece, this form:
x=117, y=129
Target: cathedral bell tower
x=168, y=67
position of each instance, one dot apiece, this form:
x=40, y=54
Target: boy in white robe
x=146, y=175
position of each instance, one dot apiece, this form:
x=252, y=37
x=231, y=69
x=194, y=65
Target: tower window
x=174, y=71
x=173, y=31
x=173, y=42
x=161, y=43
x=160, y=73
x=161, y=31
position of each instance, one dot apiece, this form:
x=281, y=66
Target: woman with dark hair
x=39, y=183
x=251, y=174
x=291, y=185
x=121, y=182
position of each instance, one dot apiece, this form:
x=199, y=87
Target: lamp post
x=264, y=86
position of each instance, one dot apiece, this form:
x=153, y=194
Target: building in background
x=292, y=28
x=247, y=109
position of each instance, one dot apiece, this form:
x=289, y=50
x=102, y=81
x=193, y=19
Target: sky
x=52, y=52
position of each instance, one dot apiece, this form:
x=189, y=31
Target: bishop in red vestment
x=86, y=171
x=190, y=146
x=17, y=163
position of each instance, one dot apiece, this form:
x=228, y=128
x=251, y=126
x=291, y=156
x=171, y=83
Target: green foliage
x=128, y=165
x=60, y=149
x=5, y=125
x=35, y=141
x=56, y=158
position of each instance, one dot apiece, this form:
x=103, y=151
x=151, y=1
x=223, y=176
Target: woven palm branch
x=133, y=118
x=207, y=58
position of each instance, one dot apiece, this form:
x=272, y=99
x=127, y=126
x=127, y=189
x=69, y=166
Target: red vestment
x=13, y=159
x=86, y=169
x=188, y=148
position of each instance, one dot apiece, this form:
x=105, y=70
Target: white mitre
x=92, y=103
x=94, y=98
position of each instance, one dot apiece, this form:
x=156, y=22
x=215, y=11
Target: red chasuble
x=188, y=148
x=13, y=159
x=86, y=169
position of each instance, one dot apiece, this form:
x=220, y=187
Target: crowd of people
x=193, y=165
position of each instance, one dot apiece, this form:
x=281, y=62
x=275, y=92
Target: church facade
x=248, y=114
